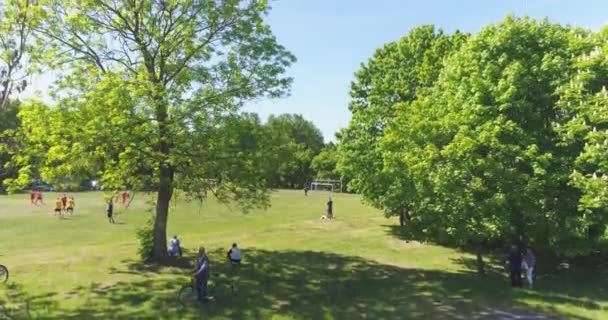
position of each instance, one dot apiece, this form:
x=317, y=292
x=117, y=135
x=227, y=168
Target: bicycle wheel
x=187, y=296
x=3, y=274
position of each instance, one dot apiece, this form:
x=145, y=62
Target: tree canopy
x=296, y=142
x=149, y=95
x=505, y=143
x=396, y=74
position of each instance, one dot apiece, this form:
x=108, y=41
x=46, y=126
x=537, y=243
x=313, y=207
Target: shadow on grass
x=584, y=286
x=296, y=284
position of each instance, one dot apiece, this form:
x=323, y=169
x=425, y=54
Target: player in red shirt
x=39, y=197
x=33, y=196
x=124, y=196
x=64, y=202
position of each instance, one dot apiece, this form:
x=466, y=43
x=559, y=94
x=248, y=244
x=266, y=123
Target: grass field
x=296, y=266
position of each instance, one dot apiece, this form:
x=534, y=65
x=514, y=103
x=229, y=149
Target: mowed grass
x=296, y=266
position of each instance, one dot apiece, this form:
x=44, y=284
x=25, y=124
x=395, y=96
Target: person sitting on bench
x=234, y=254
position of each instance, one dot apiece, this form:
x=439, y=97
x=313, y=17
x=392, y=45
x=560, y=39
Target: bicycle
x=217, y=288
x=3, y=274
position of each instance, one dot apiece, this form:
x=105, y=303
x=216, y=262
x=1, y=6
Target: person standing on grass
x=330, y=209
x=64, y=202
x=110, y=210
x=515, y=262
x=39, y=197
x=58, y=207
x=529, y=263
x=71, y=204
x=124, y=197
x=201, y=275
x=33, y=196
x=305, y=189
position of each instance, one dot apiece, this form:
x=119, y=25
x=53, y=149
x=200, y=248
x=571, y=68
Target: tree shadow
x=582, y=286
x=295, y=284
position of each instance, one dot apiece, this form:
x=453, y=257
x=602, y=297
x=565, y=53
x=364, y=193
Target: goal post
x=326, y=185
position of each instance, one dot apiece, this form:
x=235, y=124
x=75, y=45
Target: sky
x=331, y=38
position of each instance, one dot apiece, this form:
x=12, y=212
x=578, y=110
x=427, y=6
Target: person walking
x=110, y=211
x=529, y=264
x=515, y=261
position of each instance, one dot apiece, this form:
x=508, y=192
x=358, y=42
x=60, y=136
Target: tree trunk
x=165, y=192
x=165, y=185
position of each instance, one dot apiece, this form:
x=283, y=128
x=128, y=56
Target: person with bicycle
x=234, y=254
x=201, y=275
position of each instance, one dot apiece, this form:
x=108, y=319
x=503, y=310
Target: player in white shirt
x=174, y=247
x=234, y=254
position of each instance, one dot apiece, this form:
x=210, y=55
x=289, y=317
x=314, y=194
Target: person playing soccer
x=110, y=210
x=33, y=196
x=39, y=197
x=124, y=197
x=64, y=202
x=330, y=209
x=70, y=207
x=58, y=206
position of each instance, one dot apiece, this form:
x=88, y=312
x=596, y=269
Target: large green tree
x=583, y=136
x=150, y=93
x=324, y=164
x=480, y=151
x=18, y=19
x=296, y=142
x=396, y=75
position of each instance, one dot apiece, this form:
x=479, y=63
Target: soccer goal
x=326, y=185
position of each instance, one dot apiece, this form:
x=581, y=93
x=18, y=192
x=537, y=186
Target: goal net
x=326, y=185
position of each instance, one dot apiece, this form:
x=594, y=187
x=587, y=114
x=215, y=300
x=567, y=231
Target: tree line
x=295, y=148
x=481, y=139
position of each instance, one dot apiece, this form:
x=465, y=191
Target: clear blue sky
x=332, y=37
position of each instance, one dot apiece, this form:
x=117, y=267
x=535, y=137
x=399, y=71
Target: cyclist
x=234, y=254
x=201, y=275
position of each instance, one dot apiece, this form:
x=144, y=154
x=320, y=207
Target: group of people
x=64, y=205
x=519, y=261
x=202, y=268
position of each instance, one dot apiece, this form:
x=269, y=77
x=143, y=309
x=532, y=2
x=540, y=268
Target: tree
x=480, y=150
x=396, y=75
x=18, y=19
x=583, y=137
x=296, y=142
x=150, y=94
x=8, y=125
x=324, y=163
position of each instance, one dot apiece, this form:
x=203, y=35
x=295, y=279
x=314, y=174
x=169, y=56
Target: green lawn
x=296, y=266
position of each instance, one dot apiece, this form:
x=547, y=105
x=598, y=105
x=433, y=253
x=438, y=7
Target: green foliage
x=296, y=141
x=149, y=97
x=145, y=237
x=396, y=74
x=324, y=164
x=487, y=151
